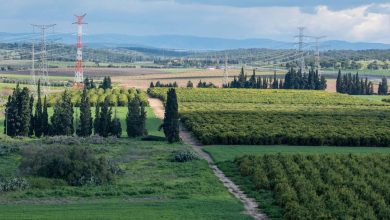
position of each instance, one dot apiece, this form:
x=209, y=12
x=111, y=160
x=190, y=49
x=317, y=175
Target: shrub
x=185, y=156
x=13, y=184
x=76, y=165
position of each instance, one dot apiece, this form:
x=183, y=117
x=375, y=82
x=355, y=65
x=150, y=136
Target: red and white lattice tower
x=79, y=78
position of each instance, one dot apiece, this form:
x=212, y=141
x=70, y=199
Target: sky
x=350, y=20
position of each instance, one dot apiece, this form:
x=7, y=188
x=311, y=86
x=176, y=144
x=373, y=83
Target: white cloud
x=136, y=17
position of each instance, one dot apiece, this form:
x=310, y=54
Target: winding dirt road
x=250, y=204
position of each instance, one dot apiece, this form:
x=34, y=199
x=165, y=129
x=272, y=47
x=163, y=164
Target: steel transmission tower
x=32, y=72
x=225, y=80
x=79, y=71
x=300, y=48
x=317, y=55
x=42, y=72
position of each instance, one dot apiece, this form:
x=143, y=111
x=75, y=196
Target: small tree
x=171, y=117
x=190, y=84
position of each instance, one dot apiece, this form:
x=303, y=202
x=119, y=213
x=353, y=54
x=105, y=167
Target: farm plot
x=321, y=186
x=273, y=117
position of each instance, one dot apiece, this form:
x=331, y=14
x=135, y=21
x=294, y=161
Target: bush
x=185, y=156
x=76, y=165
x=70, y=140
x=13, y=184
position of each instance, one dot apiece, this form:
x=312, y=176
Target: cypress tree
x=135, y=119
x=62, y=119
x=96, y=122
x=339, y=83
x=171, y=117
x=85, y=125
x=38, y=124
x=105, y=118
x=116, y=128
x=24, y=113
x=383, y=88
x=32, y=118
x=190, y=84
x=45, y=118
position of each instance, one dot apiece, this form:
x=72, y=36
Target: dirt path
x=250, y=204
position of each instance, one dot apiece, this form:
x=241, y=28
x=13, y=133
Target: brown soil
x=250, y=204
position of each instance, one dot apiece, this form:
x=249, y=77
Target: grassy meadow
x=152, y=186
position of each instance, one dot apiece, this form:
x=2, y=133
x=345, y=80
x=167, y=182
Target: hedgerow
x=272, y=117
x=323, y=186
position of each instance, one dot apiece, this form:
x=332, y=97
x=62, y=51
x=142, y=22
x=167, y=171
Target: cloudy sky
x=351, y=20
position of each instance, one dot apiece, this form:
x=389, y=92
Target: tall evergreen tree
x=45, y=118
x=24, y=113
x=85, y=125
x=96, y=122
x=116, y=127
x=171, y=117
x=383, y=88
x=105, y=118
x=339, y=83
x=32, y=118
x=38, y=125
x=62, y=119
x=135, y=119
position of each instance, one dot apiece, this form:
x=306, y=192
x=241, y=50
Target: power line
x=43, y=72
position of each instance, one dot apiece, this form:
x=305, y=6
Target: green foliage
x=135, y=119
x=62, y=119
x=185, y=156
x=18, y=113
x=353, y=85
x=106, y=84
x=13, y=184
x=383, y=88
x=322, y=186
x=118, y=97
x=76, y=165
x=104, y=124
x=171, y=117
x=85, y=124
x=116, y=128
x=38, y=117
x=45, y=118
x=274, y=117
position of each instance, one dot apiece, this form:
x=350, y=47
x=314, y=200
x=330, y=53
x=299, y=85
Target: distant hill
x=186, y=42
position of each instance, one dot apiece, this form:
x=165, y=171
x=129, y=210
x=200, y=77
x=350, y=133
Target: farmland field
x=325, y=186
x=274, y=117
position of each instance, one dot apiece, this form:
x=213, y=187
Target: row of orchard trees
x=292, y=80
x=354, y=85
x=22, y=120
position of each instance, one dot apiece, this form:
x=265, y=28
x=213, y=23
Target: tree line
x=354, y=85
x=21, y=120
x=190, y=84
x=292, y=80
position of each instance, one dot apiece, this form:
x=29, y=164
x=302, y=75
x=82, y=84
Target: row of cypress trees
x=353, y=84
x=20, y=120
x=292, y=80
